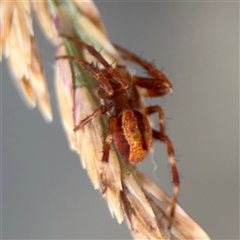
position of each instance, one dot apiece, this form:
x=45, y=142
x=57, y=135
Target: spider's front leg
x=94, y=71
x=157, y=85
x=153, y=87
x=111, y=70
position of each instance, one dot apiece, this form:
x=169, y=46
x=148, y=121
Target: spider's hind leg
x=106, y=150
x=176, y=181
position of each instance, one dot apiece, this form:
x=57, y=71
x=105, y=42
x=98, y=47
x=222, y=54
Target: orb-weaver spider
x=128, y=124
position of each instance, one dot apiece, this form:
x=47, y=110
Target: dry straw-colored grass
x=130, y=194
x=21, y=50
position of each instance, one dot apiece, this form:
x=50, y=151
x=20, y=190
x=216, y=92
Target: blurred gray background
x=45, y=192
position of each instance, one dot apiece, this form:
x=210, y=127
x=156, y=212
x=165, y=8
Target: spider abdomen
x=133, y=136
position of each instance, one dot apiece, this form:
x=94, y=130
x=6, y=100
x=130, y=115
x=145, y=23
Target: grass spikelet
x=130, y=195
x=43, y=14
x=20, y=48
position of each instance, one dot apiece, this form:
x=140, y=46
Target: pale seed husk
x=20, y=48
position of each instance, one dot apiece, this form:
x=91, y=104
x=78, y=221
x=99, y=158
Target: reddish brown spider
x=128, y=124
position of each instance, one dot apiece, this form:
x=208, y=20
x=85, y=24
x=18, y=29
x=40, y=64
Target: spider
x=128, y=124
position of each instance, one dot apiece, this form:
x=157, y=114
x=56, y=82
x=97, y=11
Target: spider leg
x=101, y=110
x=160, y=135
x=161, y=116
x=95, y=72
x=106, y=149
x=176, y=181
x=152, y=87
x=158, y=85
x=112, y=71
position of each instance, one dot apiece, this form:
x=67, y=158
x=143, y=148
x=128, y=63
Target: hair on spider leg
x=115, y=60
x=100, y=50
